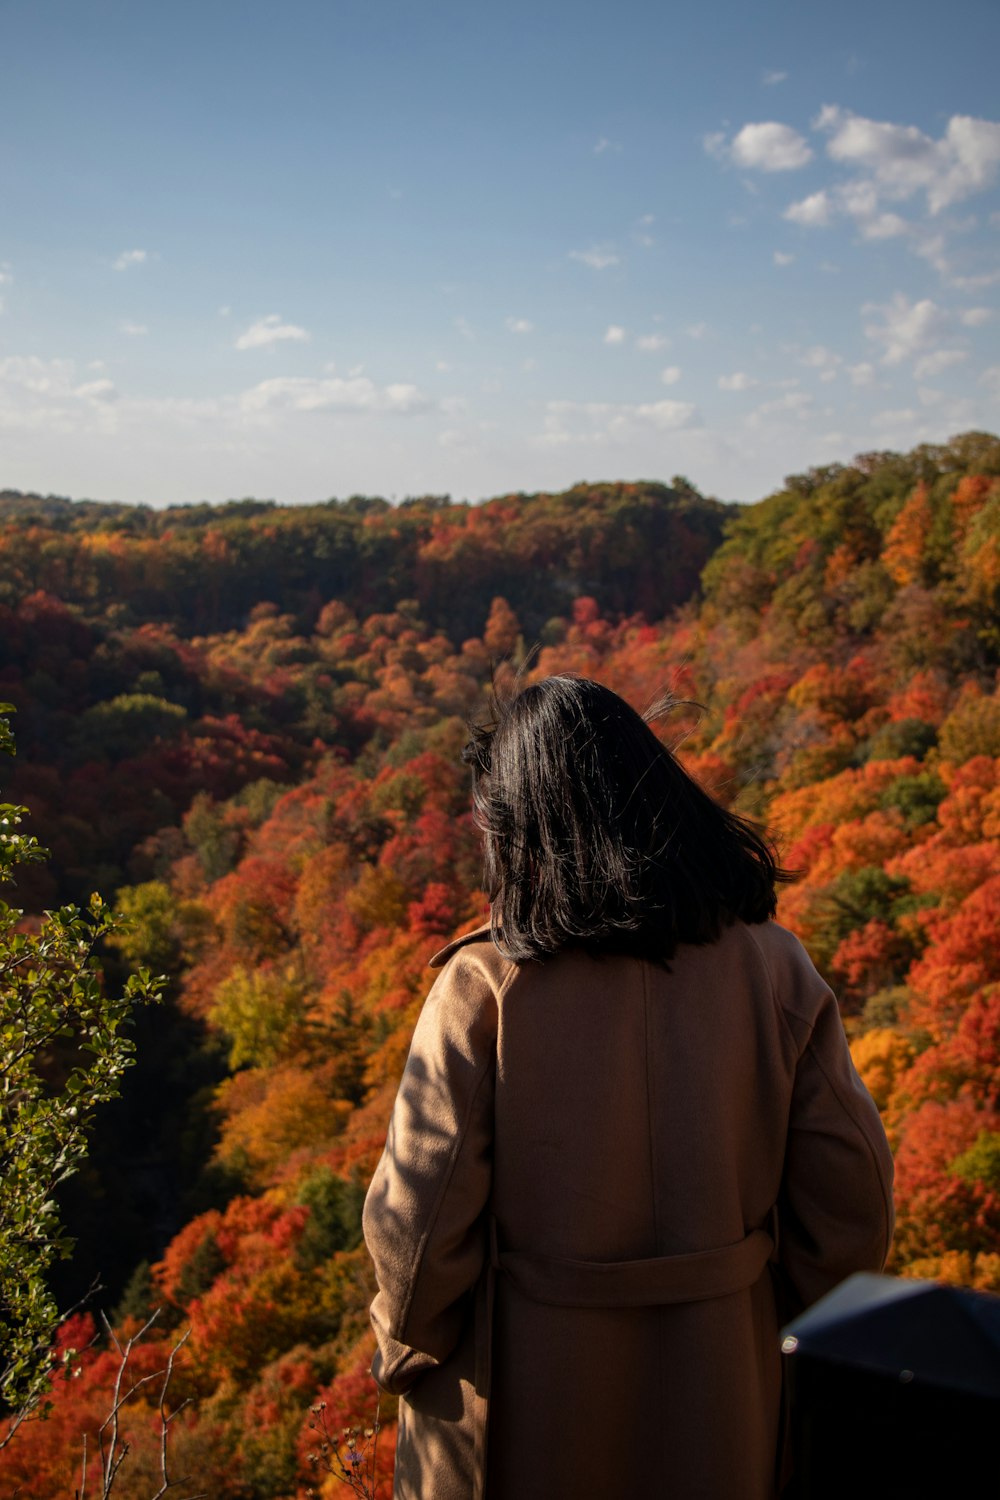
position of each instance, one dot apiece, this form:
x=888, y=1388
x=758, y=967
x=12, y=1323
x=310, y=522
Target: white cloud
x=668, y=415
x=814, y=212
x=769, y=147
x=615, y=334
x=129, y=258
x=822, y=359
x=796, y=404
x=942, y=359
x=670, y=375
x=134, y=330
x=453, y=406
x=519, y=325
x=975, y=317
x=906, y=327
x=884, y=227
x=772, y=76
x=738, y=381
x=903, y=417
x=96, y=390
x=598, y=257
x=270, y=330
x=603, y=144
x=593, y=423
x=43, y=396
x=990, y=378
x=697, y=331
x=333, y=393
x=651, y=343
x=903, y=160
x=782, y=258
x=862, y=374
x=977, y=283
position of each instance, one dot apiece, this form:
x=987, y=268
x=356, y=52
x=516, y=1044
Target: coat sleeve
x=835, y=1214
x=424, y=1216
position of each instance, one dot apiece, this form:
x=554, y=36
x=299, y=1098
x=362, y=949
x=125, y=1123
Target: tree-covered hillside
x=246, y=721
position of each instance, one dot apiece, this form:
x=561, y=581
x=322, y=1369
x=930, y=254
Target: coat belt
x=638, y=1283
x=598, y=1283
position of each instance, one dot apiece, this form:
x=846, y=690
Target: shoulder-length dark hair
x=596, y=838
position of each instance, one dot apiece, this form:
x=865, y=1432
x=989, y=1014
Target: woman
x=628, y=1143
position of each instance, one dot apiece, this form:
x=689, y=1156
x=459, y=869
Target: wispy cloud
x=270, y=330
x=670, y=375
x=134, y=330
x=519, y=325
x=593, y=423
x=651, y=343
x=934, y=364
x=976, y=317
x=796, y=405
x=129, y=258
x=598, y=257
x=44, y=396
x=615, y=334
x=783, y=258
x=772, y=76
x=332, y=393
x=738, y=381
x=904, y=327
x=825, y=361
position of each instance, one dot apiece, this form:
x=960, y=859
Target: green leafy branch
x=64, y=1048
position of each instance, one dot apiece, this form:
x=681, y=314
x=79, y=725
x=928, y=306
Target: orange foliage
x=906, y=541
x=937, y=1209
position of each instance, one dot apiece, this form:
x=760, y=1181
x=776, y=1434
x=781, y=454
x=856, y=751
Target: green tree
x=63, y=1050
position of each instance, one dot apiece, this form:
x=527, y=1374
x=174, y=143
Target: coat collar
x=479, y=934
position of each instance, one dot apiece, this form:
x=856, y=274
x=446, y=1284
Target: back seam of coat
x=650, y=1105
x=780, y=1010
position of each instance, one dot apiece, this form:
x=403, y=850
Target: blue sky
x=333, y=247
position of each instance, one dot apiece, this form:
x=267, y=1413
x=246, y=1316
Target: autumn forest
x=241, y=724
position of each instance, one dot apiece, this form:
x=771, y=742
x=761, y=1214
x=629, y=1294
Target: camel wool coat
x=606, y=1184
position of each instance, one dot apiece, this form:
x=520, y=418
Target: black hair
x=596, y=837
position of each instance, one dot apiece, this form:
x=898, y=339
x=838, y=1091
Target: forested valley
x=242, y=723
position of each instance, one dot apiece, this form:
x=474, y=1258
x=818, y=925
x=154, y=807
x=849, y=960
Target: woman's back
x=648, y=1132
x=628, y=1131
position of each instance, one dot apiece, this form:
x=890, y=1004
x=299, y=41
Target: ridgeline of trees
x=245, y=721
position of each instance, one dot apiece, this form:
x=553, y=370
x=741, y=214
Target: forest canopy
x=242, y=724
